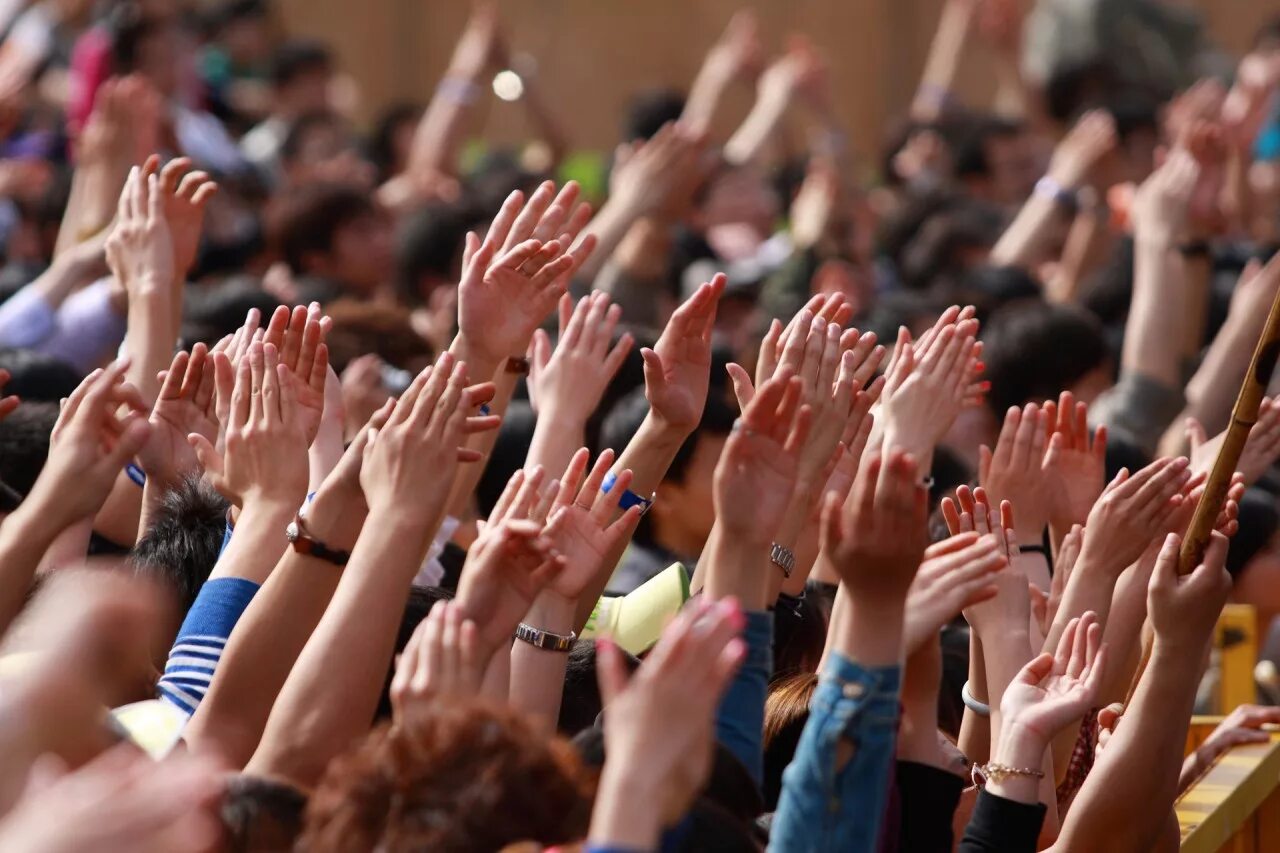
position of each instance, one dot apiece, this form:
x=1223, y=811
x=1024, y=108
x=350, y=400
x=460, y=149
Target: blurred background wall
x=594, y=54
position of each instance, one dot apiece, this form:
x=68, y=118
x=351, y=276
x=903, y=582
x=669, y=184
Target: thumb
x=742, y=387
x=653, y=377
x=208, y=457
x=610, y=670
x=136, y=432
x=1196, y=435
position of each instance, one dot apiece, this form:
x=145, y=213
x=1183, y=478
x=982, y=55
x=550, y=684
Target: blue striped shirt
x=201, y=640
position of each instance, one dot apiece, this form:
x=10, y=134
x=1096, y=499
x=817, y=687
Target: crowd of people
x=356, y=499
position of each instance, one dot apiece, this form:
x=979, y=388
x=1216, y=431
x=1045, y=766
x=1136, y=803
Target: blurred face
x=247, y=40
x=1014, y=169
x=687, y=508
x=158, y=58
x=328, y=155
x=740, y=197
x=362, y=254
x=306, y=93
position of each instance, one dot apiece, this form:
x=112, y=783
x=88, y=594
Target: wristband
x=1196, y=249
x=1034, y=549
x=484, y=409
x=518, y=365
x=458, y=89
x=994, y=771
x=545, y=640
x=979, y=708
x=136, y=474
x=629, y=498
x=1049, y=188
x=784, y=558
x=303, y=543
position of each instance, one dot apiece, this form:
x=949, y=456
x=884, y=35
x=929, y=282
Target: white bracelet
x=979, y=708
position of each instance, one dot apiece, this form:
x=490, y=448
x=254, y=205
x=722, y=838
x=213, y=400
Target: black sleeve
x=927, y=798
x=1002, y=826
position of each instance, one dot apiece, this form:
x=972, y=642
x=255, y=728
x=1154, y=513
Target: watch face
x=292, y=531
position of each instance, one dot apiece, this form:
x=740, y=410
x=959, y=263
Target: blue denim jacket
x=740, y=717
x=825, y=808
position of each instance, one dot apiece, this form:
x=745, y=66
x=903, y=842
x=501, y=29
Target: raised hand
x=90, y=444
x=1078, y=154
x=928, y=385
x=1184, y=609
x=1015, y=471
x=756, y=474
x=1055, y=690
x=140, y=249
x=658, y=724
x=581, y=523
x=956, y=573
x=185, y=407
x=185, y=195
x=677, y=371
x=1074, y=463
x=1161, y=204
x=876, y=540
x=738, y=52
x=568, y=382
x=1133, y=511
x=512, y=281
x=299, y=338
x=1260, y=451
x=658, y=177
x=440, y=663
x=265, y=457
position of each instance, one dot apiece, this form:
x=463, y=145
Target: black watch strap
x=303, y=543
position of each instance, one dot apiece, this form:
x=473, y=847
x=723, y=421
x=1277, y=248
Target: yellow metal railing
x=1235, y=805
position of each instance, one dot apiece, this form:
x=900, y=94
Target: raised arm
x=736, y=55
x=1143, y=758
x=332, y=691
x=937, y=82
x=778, y=87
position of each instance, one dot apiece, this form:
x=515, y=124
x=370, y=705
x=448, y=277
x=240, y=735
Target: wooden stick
x=1243, y=416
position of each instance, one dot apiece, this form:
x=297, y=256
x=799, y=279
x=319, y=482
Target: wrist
x=1020, y=745
x=149, y=285
x=872, y=635
x=552, y=612
x=662, y=435
x=482, y=364
x=616, y=822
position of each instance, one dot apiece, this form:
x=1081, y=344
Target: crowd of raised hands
x=929, y=595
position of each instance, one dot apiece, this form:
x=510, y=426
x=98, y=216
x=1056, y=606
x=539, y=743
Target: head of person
x=581, y=701
x=429, y=246
x=242, y=28
x=147, y=44
x=468, y=777
x=211, y=313
x=392, y=139
x=320, y=147
x=951, y=243
x=786, y=710
x=260, y=815
x=384, y=329
x=994, y=158
x=34, y=376
x=301, y=72
x=734, y=195
x=338, y=234
x=649, y=111
x=799, y=635
x=683, y=511
x=24, y=444
x=1035, y=350
x=182, y=542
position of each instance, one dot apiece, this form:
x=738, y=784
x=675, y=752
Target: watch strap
x=784, y=558
x=629, y=498
x=304, y=543
x=545, y=640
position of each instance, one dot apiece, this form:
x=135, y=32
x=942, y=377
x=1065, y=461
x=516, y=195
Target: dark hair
x=130, y=27
x=373, y=327
x=939, y=248
x=36, y=377
x=381, y=148
x=799, y=635
x=1258, y=522
x=649, y=111
x=968, y=136
x=467, y=777
x=212, y=312
x=1034, y=350
x=24, y=444
x=261, y=814
x=786, y=710
x=304, y=126
x=580, y=702
x=313, y=215
x=183, y=541
x=430, y=242
x=416, y=607
x=297, y=58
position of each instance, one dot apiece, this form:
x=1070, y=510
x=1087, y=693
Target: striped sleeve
x=201, y=640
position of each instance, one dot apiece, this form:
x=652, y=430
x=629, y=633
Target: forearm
x=1088, y=243
x=24, y=538
x=945, y=51
x=736, y=566
x=751, y=138
x=1151, y=347
x=705, y=95
x=556, y=437
x=648, y=456
x=1141, y=763
x=468, y=476
x=119, y=519
x=616, y=823
x=150, y=338
x=439, y=133
x=537, y=675
x=1123, y=631
x=258, y=542
x=331, y=694
x=95, y=193
x=975, y=730
x=69, y=548
x=1091, y=587
x=1022, y=242
x=1212, y=389
x=872, y=631
x=269, y=637
x=610, y=225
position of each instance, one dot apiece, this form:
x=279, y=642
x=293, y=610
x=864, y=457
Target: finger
x=496, y=237
x=271, y=394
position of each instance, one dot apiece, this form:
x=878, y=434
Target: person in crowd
x=340, y=494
